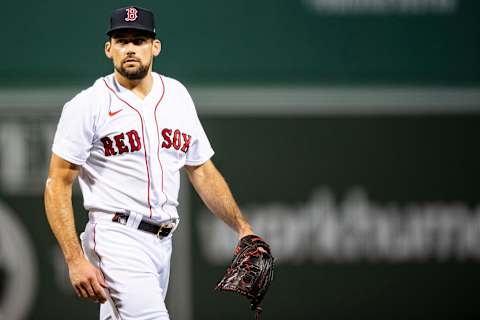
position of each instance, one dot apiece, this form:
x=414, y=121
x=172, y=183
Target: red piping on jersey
x=143, y=140
x=100, y=266
x=158, y=138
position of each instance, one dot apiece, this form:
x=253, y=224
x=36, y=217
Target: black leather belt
x=148, y=225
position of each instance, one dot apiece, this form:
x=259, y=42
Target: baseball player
x=126, y=137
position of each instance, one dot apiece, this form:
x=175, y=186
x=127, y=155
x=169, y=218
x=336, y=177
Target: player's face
x=132, y=53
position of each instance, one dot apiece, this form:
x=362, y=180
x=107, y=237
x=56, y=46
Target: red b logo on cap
x=131, y=14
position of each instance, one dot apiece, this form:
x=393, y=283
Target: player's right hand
x=87, y=280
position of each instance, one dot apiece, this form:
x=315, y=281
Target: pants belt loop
x=138, y=219
x=134, y=220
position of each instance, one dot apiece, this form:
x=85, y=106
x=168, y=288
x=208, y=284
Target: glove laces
x=258, y=311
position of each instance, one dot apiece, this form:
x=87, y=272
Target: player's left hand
x=249, y=232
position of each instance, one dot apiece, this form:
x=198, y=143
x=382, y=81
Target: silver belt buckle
x=165, y=229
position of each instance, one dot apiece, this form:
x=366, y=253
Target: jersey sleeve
x=75, y=131
x=200, y=149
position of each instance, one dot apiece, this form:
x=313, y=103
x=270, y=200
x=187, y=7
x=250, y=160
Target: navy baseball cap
x=132, y=18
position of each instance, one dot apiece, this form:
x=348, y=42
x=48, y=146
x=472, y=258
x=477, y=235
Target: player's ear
x=156, y=47
x=108, y=47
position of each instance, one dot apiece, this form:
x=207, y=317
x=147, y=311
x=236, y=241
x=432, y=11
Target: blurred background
x=347, y=129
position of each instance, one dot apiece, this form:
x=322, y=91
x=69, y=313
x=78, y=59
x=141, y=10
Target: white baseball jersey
x=130, y=150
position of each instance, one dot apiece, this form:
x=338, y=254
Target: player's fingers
x=89, y=289
x=100, y=279
x=77, y=292
x=82, y=291
x=91, y=293
x=99, y=292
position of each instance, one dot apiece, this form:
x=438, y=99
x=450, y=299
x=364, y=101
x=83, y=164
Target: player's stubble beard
x=137, y=74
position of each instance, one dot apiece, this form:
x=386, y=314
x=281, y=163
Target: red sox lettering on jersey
x=179, y=140
x=118, y=145
x=134, y=143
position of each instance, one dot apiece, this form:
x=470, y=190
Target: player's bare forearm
x=215, y=193
x=86, y=279
x=58, y=206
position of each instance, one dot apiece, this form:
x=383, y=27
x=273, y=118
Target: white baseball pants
x=135, y=265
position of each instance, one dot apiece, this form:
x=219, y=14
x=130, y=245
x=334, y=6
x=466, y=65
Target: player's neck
x=141, y=88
